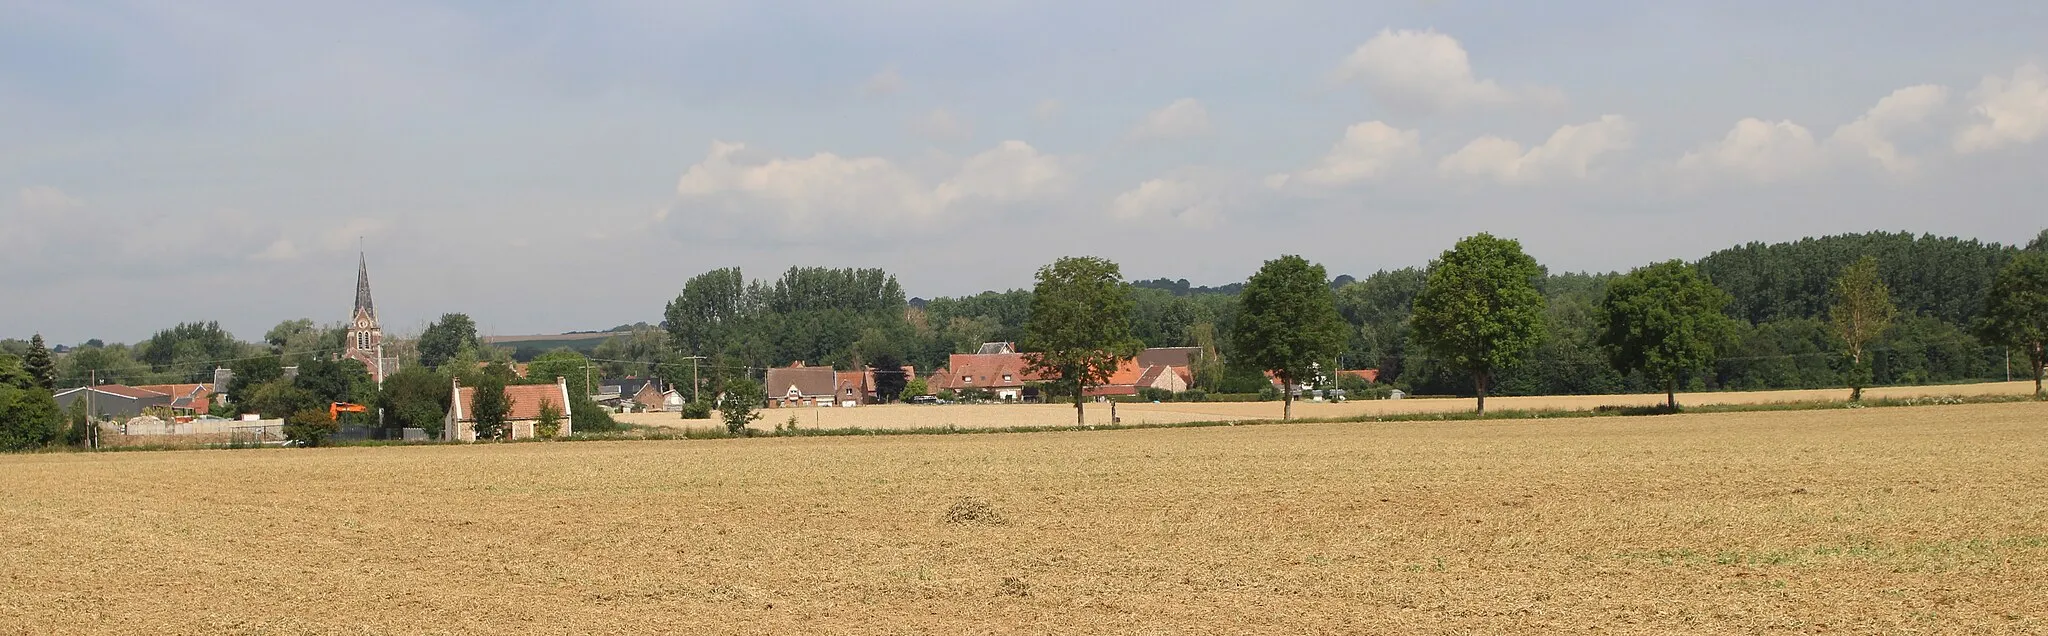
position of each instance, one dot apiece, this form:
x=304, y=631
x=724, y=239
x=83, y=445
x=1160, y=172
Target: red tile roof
x=1370, y=375
x=526, y=399
x=809, y=381
x=130, y=391
x=984, y=370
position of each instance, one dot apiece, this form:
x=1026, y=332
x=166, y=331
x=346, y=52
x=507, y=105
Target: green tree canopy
x=416, y=397
x=2016, y=312
x=490, y=407
x=29, y=418
x=1861, y=312
x=42, y=371
x=1288, y=321
x=563, y=363
x=1080, y=325
x=1662, y=320
x=740, y=403
x=1479, y=310
x=448, y=338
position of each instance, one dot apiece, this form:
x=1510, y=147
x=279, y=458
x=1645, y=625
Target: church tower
x=365, y=339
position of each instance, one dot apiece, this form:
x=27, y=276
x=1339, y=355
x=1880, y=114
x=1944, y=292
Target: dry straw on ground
x=1897, y=520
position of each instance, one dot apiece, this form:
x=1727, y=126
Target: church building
x=365, y=339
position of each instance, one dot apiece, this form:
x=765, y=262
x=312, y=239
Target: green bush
x=586, y=416
x=311, y=427
x=697, y=410
x=1268, y=394
x=1233, y=397
x=1191, y=395
x=1149, y=394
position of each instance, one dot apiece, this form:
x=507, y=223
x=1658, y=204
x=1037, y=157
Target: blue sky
x=553, y=166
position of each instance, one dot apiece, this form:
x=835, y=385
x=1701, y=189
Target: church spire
x=364, y=308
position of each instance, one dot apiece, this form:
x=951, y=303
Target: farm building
x=114, y=400
x=460, y=425
x=191, y=398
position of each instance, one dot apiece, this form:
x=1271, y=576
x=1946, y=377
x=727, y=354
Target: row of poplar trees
x=1481, y=311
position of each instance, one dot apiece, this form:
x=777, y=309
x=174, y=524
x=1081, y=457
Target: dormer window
x=967, y=379
x=1006, y=377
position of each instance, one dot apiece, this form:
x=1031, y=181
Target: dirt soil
x=1901, y=520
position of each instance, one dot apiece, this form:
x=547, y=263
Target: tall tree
x=889, y=377
x=1662, y=320
x=448, y=338
x=1862, y=311
x=190, y=351
x=490, y=407
x=41, y=370
x=563, y=363
x=2016, y=312
x=1479, y=310
x=29, y=419
x=705, y=318
x=415, y=397
x=1080, y=325
x=1287, y=322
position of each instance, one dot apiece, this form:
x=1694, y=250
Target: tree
x=1479, y=310
x=562, y=363
x=1862, y=311
x=337, y=380
x=79, y=432
x=250, y=373
x=740, y=404
x=703, y=319
x=189, y=351
x=415, y=397
x=279, y=398
x=41, y=371
x=29, y=418
x=2016, y=312
x=1662, y=320
x=310, y=427
x=1288, y=322
x=490, y=407
x=549, y=422
x=914, y=388
x=1080, y=325
x=12, y=374
x=889, y=378
x=447, y=338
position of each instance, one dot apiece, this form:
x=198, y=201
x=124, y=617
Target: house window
x=967, y=379
x=1006, y=377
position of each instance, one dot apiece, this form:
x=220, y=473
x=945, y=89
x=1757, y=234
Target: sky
x=550, y=166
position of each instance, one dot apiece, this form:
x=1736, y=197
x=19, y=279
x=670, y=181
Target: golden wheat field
x=899, y=416
x=1904, y=520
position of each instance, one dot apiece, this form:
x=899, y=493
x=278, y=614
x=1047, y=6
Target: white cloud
x=48, y=199
x=826, y=191
x=942, y=125
x=1367, y=150
x=1872, y=133
x=1427, y=72
x=1569, y=152
x=2014, y=110
x=1048, y=109
x=279, y=250
x=1011, y=172
x=1757, y=150
x=1185, y=117
x=1179, y=200
x=884, y=83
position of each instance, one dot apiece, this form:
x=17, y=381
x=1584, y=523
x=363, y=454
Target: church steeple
x=364, y=308
x=365, y=339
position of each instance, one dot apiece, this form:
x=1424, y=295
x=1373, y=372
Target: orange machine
x=335, y=410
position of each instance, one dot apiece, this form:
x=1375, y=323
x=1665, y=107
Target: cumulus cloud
x=1177, y=200
x=1427, y=72
x=1185, y=117
x=1012, y=172
x=1873, y=132
x=942, y=125
x=48, y=199
x=828, y=191
x=1764, y=152
x=1367, y=150
x=1757, y=150
x=1568, y=153
x=2012, y=110
x=885, y=82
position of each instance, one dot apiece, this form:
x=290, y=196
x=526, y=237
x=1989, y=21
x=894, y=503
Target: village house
x=1164, y=368
x=997, y=368
x=460, y=425
x=799, y=385
x=643, y=393
x=196, y=399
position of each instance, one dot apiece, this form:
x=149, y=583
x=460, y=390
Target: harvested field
x=1008, y=415
x=1896, y=520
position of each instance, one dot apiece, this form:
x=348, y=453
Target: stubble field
x=1894, y=520
x=901, y=416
